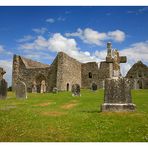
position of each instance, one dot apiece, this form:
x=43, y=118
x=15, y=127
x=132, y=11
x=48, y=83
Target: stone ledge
x=113, y=107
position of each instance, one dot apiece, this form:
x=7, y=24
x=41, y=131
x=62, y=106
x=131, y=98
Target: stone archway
x=39, y=79
x=140, y=86
x=67, y=87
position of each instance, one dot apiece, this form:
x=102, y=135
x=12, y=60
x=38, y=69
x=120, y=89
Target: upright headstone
x=34, y=87
x=43, y=86
x=20, y=90
x=55, y=90
x=75, y=90
x=3, y=85
x=94, y=87
x=117, y=95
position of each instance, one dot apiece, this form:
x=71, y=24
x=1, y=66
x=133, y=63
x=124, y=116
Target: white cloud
x=117, y=35
x=69, y=46
x=136, y=51
x=25, y=38
x=60, y=43
x=91, y=36
x=57, y=43
x=50, y=20
x=7, y=65
x=40, y=30
x=39, y=43
x=101, y=54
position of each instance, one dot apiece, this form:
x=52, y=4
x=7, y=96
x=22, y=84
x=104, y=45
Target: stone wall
x=68, y=73
x=98, y=73
x=26, y=74
x=138, y=75
x=89, y=74
x=52, y=75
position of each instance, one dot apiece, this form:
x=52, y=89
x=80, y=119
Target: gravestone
x=20, y=90
x=75, y=90
x=3, y=85
x=34, y=87
x=43, y=86
x=94, y=87
x=117, y=96
x=55, y=90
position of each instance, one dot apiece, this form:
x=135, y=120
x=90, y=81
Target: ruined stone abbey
x=66, y=71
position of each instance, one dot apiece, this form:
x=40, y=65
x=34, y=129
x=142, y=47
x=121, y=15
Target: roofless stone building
x=62, y=73
x=138, y=75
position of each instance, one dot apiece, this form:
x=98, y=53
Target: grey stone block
x=117, y=96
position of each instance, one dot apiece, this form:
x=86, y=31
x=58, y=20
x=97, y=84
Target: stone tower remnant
x=117, y=95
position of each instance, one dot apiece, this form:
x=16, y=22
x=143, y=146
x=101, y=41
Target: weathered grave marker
x=3, y=85
x=117, y=95
x=20, y=90
x=75, y=90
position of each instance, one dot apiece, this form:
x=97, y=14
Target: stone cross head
x=2, y=72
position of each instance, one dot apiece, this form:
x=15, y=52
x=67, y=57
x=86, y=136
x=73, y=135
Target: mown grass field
x=61, y=117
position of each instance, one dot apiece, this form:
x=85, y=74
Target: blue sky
x=82, y=32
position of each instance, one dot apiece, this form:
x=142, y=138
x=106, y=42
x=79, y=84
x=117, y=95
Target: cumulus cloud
x=91, y=36
x=50, y=20
x=136, y=51
x=117, y=35
x=40, y=30
x=7, y=65
x=39, y=43
x=88, y=35
x=61, y=43
x=58, y=43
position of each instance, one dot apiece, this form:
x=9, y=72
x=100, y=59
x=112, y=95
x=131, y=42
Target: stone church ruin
x=66, y=71
x=138, y=75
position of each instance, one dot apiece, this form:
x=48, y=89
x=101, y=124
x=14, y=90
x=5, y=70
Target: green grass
x=61, y=117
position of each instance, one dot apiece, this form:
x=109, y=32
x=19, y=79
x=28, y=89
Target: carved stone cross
x=2, y=72
x=114, y=58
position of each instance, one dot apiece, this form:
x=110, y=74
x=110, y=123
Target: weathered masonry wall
x=27, y=75
x=89, y=74
x=68, y=73
x=93, y=72
x=52, y=75
x=138, y=75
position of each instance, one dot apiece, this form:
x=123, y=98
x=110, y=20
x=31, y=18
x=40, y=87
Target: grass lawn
x=61, y=117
